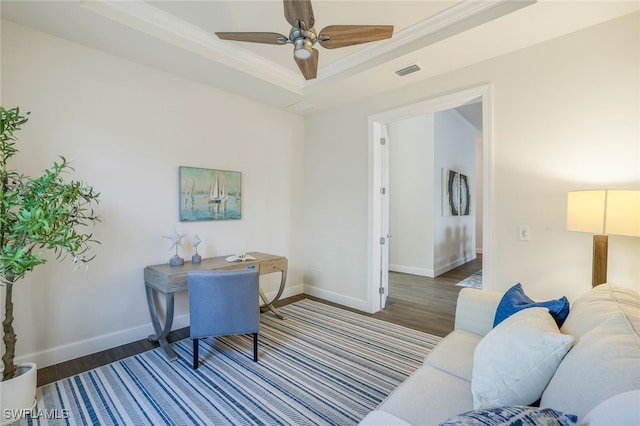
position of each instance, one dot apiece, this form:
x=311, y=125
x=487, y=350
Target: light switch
x=524, y=232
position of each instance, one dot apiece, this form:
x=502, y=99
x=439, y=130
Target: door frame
x=428, y=106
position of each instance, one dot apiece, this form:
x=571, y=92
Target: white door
x=384, y=213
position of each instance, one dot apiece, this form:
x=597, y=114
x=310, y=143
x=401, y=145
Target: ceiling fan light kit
x=303, y=41
x=303, y=49
x=299, y=14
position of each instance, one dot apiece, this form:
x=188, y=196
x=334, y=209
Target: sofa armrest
x=381, y=418
x=475, y=310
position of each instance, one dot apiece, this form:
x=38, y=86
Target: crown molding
x=449, y=22
x=157, y=23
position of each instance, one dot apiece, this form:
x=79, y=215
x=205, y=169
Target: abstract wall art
x=456, y=194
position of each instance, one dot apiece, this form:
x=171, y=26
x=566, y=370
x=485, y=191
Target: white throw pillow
x=514, y=362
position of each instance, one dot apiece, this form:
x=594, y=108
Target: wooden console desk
x=167, y=280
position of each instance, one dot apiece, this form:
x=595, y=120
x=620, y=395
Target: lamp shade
x=606, y=211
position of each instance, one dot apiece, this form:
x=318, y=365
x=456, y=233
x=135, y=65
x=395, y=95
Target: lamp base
x=600, y=255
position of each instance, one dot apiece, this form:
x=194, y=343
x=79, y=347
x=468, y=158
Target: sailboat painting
x=209, y=194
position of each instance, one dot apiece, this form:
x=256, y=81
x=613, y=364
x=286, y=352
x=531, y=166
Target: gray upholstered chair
x=223, y=303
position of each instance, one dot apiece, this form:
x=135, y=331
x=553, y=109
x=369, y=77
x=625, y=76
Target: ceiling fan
x=304, y=36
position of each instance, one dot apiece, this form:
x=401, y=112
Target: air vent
x=407, y=70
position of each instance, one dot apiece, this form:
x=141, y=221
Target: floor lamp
x=602, y=213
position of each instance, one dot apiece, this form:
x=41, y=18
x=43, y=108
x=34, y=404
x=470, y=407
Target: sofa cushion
x=475, y=310
x=605, y=360
x=592, y=308
x=428, y=397
x=621, y=409
x=510, y=416
x=515, y=300
x=454, y=354
x=514, y=362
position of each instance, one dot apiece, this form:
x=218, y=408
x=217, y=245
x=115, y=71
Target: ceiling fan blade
x=296, y=11
x=309, y=67
x=266, y=38
x=348, y=35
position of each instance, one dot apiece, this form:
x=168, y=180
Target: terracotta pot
x=18, y=393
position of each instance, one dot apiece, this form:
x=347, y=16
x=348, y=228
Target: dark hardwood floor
x=421, y=303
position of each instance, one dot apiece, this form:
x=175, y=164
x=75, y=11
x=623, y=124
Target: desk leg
x=269, y=305
x=161, y=331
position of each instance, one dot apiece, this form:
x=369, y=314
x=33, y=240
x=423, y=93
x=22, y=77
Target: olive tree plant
x=38, y=214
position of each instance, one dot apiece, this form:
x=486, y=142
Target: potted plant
x=36, y=214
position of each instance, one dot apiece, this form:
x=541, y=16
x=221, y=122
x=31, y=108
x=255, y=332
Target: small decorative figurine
x=195, y=241
x=176, y=239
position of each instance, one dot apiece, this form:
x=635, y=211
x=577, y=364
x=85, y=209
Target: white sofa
x=598, y=380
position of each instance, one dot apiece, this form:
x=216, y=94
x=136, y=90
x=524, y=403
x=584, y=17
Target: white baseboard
x=288, y=291
x=445, y=268
x=341, y=299
x=95, y=344
x=424, y=272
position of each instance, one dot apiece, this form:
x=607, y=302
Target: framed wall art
x=209, y=194
x=456, y=194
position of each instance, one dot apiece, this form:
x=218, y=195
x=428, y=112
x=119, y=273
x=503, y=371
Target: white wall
x=565, y=118
x=127, y=128
x=454, y=236
x=411, y=194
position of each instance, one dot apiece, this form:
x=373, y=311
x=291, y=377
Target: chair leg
x=195, y=354
x=255, y=347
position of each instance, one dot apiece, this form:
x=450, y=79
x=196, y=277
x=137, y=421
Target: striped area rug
x=320, y=366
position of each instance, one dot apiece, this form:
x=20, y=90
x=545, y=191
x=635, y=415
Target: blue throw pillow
x=515, y=300
x=512, y=416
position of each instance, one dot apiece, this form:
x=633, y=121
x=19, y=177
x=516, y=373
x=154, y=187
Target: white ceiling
x=440, y=36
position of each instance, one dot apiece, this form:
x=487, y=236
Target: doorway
x=379, y=167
